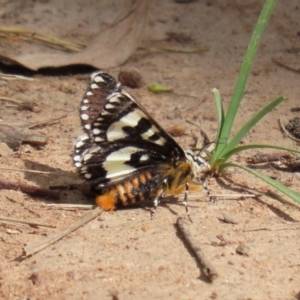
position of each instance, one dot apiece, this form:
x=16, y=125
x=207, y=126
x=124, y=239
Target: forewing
x=121, y=137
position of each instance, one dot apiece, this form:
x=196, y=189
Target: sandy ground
x=123, y=254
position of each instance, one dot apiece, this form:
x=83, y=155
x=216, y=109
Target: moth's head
x=199, y=164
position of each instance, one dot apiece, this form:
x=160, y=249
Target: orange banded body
x=147, y=186
x=144, y=186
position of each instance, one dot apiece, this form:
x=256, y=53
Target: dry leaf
x=109, y=48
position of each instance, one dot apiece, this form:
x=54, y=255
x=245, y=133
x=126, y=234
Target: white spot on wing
x=94, y=86
x=98, y=79
x=87, y=126
x=77, y=158
x=83, y=137
x=87, y=157
x=115, y=131
x=87, y=175
x=109, y=106
x=123, y=154
x=86, y=100
x=114, y=98
x=114, y=163
x=79, y=144
x=96, y=74
x=144, y=157
x=78, y=164
x=99, y=139
x=83, y=153
x=161, y=141
x=81, y=140
x=146, y=135
x=96, y=131
x=94, y=149
x=128, y=95
x=84, y=117
x=84, y=107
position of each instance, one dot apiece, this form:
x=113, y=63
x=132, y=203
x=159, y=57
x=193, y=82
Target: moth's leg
x=185, y=200
x=156, y=201
x=206, y=189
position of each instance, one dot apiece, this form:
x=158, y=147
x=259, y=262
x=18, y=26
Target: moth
x=125, y=154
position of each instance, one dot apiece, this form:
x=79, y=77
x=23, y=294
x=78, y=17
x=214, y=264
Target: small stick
x=234, y=196
x=31, y=125
x=15, y=77
x=49, y=122
x=8, y=220
x=30, y=105
x=295, y=109
x=29, y=189
x=70, y=206
x=275, y=228
x=267, y=157
x=71, y=175
x=56, y=236
x=29, y=171
x=227, y=196
x=189, y=49
x=44, y=38
x=206, y=266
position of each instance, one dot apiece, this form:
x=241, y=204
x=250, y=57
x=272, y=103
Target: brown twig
x=226, y=196
x=31, y=125
x=44, y=38
x=15, y=77
x=267, y=157
x=56, y=236
x=206, y=266
x=8, y=220
x=70, y=206
x=291, y=226
x=49, y=122
x=29, y=189
x=14, y=137
x=30, y=105
x=178, y=49
x=29, y=171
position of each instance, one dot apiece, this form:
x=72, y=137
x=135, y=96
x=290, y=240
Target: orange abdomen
x=139, y=188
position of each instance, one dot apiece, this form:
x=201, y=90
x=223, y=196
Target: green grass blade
x=220, y=111
x=279, y=186
x=245, y=129
x=243, y=75
x=255, y=146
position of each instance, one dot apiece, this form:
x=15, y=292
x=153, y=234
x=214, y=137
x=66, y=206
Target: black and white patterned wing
x=121, y=137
